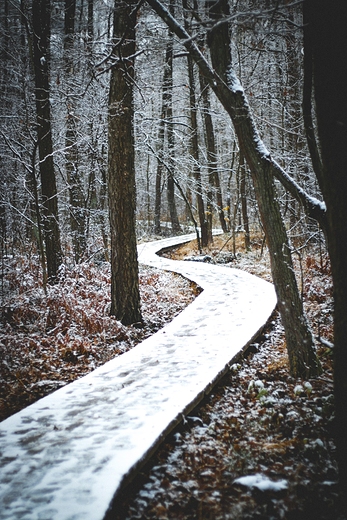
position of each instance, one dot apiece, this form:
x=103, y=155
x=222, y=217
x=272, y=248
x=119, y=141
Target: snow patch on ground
x=262, y=483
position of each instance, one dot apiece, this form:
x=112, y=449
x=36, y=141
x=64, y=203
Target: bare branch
x=231, y=94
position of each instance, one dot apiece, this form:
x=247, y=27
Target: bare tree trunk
x=157, y=204
x=211, y=151
x=244, y=205
x=307, y=98
x=176, y=228
x=195, y=156
x=41, y=37
x=101, y=207
x=303, y=360
x=3, y=88
x=205, y=236
x=4, y=51
x=35, y=193
x=159, y=172
x=327, y=48
x=90, y=23
x=77, y=197
x=125, y=297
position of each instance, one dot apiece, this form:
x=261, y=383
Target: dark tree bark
x=195, y=156
x=4, y=52
x=41, y=38
x=90, y=23
x=160, y=151
x=158, y=179
x=307, y=99
x=300, y=345
x=222, y=78
x=194, y=145
x=3, y=236
x=125, y=297
x=3, y=87
x=327, y=42
x=176, y=228
x=244, y=205
x=101, y=205
x=211, y=152
x=206, y=237
x=77, y=197
x=165, y=135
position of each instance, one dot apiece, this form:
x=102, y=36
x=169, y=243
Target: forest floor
x=47, y=341
x=258, y=422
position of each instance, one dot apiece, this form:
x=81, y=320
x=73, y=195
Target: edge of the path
x=100, y=497
x=145, y=252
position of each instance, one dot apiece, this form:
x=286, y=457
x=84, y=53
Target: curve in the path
x=67, y=455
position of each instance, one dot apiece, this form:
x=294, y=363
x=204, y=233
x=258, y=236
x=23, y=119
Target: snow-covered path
x=65, y=456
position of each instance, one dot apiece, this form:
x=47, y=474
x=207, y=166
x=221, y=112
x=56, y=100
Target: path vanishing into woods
x=66, y=456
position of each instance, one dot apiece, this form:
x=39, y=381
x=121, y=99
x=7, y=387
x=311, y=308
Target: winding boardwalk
x=66, y=456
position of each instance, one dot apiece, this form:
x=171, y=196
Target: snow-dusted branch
x=231, y=94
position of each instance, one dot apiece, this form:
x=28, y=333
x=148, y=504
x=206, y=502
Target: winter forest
x=125, y=122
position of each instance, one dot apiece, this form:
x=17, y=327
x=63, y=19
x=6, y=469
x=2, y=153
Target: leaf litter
x=49, y=341
x=260, y=446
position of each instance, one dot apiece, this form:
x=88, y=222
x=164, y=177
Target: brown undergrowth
x=47, y=341
x=258, y=423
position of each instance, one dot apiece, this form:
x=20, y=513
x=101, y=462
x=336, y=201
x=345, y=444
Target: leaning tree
x=223, y=80
x=325, y=64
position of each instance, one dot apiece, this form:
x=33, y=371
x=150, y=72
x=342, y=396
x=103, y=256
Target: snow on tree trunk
x=226, y=85
x=303, y=361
